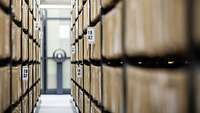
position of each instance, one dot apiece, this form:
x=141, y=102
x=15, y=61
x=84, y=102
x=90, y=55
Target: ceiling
x=56, y=2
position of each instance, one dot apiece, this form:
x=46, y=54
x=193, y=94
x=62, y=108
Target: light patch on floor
x=57, y=104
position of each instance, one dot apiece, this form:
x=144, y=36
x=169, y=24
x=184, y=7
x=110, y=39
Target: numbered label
x=79, y=71
x=25, y=73
x=91, y=35
x=37, y=25
x=73, y=49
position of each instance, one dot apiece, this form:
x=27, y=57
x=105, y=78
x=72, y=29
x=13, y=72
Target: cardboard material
x=96, y=47
x=30, y=23
x=81, y=49
x=77, y=8
x=24, y=46
x=25, y=104
x=34, y=52
x=30, y=100
x=16, y=42
x=30, y=49
x=80, y=4
x=95, y=9
x=16, y=84
x=112, y=33
x=86, y=14
x=155, y=28
x=17, y=9
x=80, y=27
x=106, y=88
x=25, y=15
x=73, y=90
x=86, y=48
x=5, y=88
x=4, y=36
x=87, y=78
x=156, y=90
x=81, y=96
x=107, y=3
x=116, y=84
x=87, y=104
x=30, y=75
x=31, y=4
x=77, y=95
x=96, y=83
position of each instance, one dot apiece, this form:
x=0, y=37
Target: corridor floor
x=56, y=104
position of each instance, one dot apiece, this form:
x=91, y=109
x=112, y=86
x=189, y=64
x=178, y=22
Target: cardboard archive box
x=112, y=33
x=77, y=29
x=86, y=48
x=80, y=25
x=77, y=95
x=77, y=8
x=81, y=49
x=156, y=90
x=96, y=47
x=30, y=23
x=17, y=9
x=106, y=88
x=34, y=52
x=86, y=15
x=25, y=13
x=24, y=46
x=73, y=92
x=77, y=51
x=113, y=89
x=79, y=78
x=96, y=82
x=81, y=96
x=16, y=84
x=30, y=100
x=16, y=42
x=31, y=4
x=155, y=28
x=30, y=75
x=25, y=104
x=87, y=78
x=4, y=35
x=30, y=49
x=5, y=88
x=80, y=4
x=95, y=9
x=87, y=104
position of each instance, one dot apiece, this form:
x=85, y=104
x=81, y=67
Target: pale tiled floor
x=56, y=104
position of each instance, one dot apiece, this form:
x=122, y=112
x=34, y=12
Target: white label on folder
x=79, y=71
x=37, y=25
x=25, y=73
x=91, y=35
x=73, y=49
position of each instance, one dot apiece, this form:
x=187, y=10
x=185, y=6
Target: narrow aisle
x=56, y=104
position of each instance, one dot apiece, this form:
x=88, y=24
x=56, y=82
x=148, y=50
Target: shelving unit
x=144, y=59
x=19, y=56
